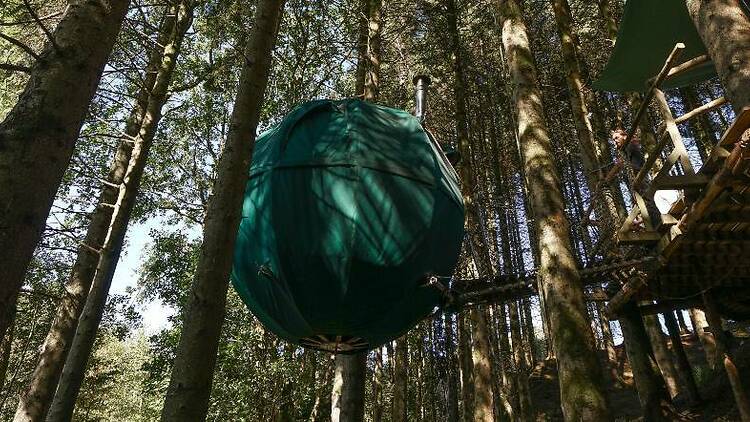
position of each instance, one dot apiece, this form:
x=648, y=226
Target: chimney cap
x=423, y=77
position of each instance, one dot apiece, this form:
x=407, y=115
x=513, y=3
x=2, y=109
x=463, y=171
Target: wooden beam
x=596, y=295
x=616, y=266
x=663, y=137
x=624, y=295
x=669, y=305
x=736, y=248
x=740, y=125
x=638, y=237
x=683, y=67
x=655, y=83
x=685, y=181
x=705, y=108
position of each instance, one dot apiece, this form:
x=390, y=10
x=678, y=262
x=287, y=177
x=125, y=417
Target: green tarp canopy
x=350, y=207
x=648, y=33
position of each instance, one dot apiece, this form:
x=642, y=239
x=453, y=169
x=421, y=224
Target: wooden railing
x=659, y=169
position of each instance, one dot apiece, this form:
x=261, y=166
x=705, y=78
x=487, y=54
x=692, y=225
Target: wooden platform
x=703, y=242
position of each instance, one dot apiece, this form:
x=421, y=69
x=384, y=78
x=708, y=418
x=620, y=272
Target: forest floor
x=717, y=404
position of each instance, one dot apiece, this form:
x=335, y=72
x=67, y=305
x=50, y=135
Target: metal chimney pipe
x=421, y=82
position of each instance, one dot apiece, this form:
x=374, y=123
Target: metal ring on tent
x=335, y=344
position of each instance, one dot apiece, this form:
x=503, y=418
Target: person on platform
x=633, y=153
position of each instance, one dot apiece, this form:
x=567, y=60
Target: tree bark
x=724, y=356
x=467, y=372
x=104, y=234
x=39, y=134
x=698, y=319
x=686, y=372
x=528, y=326
x=377, y=387
x=400, y=380
x=362, y=32
x=321, y=410
x=6, y=346
x=661, y=353
x=609, y=344
x=581, y=389
x=725, y=29
x=452, y=382
x=483, y=401
x=649, y=384
x=684, y=328
x=592, y=156
x=610, y=25
x=190, y=384
x=372, y=78
x=521, y=374
x=348, y=397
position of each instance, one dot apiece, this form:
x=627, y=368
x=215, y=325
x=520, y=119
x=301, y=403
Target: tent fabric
x=648, y=33
x=349, y=207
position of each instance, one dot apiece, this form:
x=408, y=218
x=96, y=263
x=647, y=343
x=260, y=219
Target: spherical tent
x=349, y=209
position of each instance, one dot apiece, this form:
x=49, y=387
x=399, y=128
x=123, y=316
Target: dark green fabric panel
x=348, y=208
x=648, y=33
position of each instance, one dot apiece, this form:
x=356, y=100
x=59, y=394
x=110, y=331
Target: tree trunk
x=661, y=353
x=372, y=79
x=377, y=387
x=605, y=11
x=684, y=328
x=190, y=384
x=362, y=32
x=724, y=356
x=105, y=233
x=420, y=377
x=452, y=381
x=609, y=344
x=348, y=397
x=725, y=29
x=581, y=391
x=649, y=384
x=591, y=156
x=528, y=325
x=506, y=356
x=400, y=380
x=698, y=319
x=686, y=372
x=483, y=403
x=467, y=372
x=321, y=410
x=6, y=346
x=39, y=134
x=521, y=374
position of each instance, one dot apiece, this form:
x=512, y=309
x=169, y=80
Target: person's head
x=619, y=136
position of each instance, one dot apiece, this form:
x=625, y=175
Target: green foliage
x=114, y=385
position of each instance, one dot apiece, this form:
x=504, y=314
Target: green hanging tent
x=349, y=209
x=648, y=33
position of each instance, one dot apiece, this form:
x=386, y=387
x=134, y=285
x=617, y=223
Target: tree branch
x=43, y=18
x=30, y=51
x=15, y=68
x=41, y=24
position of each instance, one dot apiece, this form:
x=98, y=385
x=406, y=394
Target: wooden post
x=652, y=392
x=698, y=319
x=723, y=354
x=683, y=365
